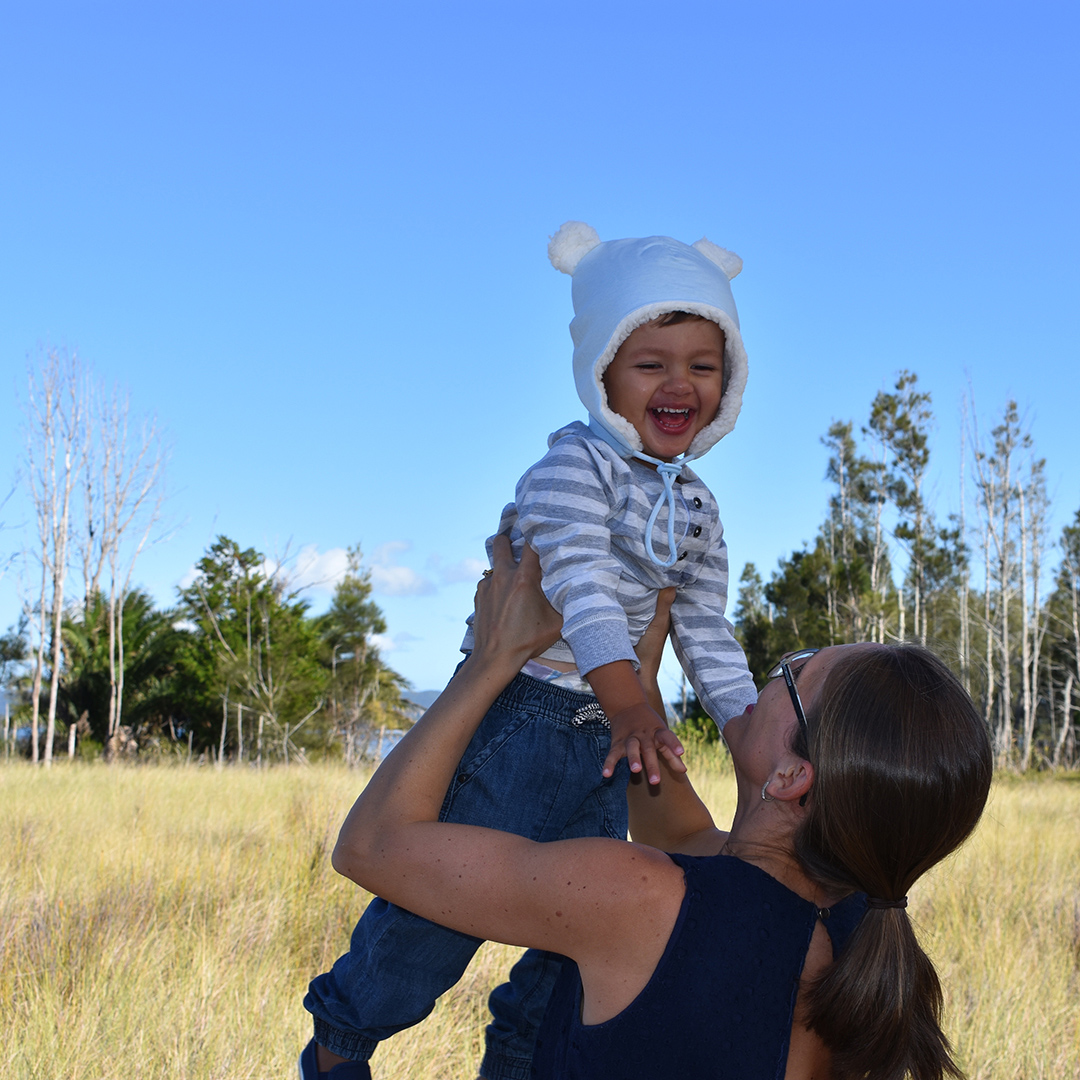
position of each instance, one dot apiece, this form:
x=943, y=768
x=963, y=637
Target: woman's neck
x=763, y=835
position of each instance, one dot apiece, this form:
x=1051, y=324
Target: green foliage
x=790, y=612
x=365, y=695
x=14, y=650
x=1018, y=654
x=252, y=645
x=150, y=648
x=692, y=724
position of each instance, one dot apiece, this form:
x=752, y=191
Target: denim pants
x=532, y=768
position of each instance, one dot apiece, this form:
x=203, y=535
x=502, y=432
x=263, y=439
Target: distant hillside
x=423, y=698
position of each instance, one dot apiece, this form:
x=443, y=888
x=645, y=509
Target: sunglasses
x=784, y=668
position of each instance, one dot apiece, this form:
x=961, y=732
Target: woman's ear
x=793, y=783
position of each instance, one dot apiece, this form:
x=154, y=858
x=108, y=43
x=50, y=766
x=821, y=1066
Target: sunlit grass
x=164, y=922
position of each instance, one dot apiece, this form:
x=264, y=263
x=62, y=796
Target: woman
x=737, y=954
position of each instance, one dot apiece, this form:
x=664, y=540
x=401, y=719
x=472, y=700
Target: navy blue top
x=721, y=1001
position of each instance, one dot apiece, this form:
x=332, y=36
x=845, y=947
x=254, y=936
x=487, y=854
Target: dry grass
x=164, y=922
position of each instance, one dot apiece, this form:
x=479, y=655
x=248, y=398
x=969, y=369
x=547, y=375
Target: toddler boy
x=615, y=515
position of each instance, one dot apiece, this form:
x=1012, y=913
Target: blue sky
x=311, y=239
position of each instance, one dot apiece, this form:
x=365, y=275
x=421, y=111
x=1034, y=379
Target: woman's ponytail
x=878, y=1007
x=902, y=769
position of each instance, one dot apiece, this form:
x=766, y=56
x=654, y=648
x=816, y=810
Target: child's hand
x=639, y=734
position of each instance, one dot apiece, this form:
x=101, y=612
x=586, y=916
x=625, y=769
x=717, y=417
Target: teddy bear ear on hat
x=571, y=244
x=728, y=261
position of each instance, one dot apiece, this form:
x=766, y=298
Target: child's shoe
x=347, y=1070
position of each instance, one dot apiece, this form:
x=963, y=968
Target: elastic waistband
x=554, y=702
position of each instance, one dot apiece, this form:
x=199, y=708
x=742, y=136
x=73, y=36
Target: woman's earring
x=764, y=797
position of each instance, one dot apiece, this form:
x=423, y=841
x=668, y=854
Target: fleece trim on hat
x=619, y=285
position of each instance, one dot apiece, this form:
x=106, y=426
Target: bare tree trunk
x=1028, y=712
x=965, y=614
x=224, y=728
x=39, y=665
x=1066, y=719
x=1040, y=623
x=999, y=494
x=991, y=682
x=131, y=497
x=55, y=456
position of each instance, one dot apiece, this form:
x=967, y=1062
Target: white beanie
x=618, y=285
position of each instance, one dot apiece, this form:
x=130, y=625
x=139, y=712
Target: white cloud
x=388, y=643
x=309, y=569
x=400, y=581
x=463, y=570
x=312, y=570
x=391, y=579
x=319, y=570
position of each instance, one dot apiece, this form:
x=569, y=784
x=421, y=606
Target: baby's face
x=667, y=381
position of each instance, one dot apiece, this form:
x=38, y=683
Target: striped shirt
x=584, y=509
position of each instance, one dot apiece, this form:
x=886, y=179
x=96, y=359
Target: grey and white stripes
x=584, y=509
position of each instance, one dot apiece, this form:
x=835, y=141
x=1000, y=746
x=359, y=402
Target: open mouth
x=672, y=421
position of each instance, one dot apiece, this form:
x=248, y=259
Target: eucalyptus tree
x=252, y=645
x=1063, y=608
x=364, y=693
x=1012, y=515
x=54, y=461
x=901, y=420
x=121, y=502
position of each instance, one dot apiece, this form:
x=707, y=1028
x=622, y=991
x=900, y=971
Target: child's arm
x=705, y=643
x=638, y=732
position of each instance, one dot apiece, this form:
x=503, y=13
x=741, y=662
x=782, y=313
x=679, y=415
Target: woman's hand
x=513, y=620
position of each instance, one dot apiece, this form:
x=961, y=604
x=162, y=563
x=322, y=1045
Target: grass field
x=163, y=922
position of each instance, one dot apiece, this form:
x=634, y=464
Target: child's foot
x=338, y=1068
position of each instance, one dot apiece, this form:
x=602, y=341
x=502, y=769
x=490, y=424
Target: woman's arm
x=579, y=897
x=669, y=815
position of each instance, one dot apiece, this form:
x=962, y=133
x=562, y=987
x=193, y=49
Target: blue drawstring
x=669, y=472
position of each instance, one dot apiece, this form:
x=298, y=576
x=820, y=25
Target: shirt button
x=697, y=503
x=682, y=556
x=697, y=531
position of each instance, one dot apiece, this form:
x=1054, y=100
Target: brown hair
x=672, y=318
x=902, y=769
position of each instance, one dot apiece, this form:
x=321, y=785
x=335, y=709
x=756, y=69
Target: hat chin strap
x=669, y=472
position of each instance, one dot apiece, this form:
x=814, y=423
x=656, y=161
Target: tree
x=55, y=457
x=252, y=646
x=798, y=595
x=364, y=693
x=94, y=481
x=1031, y=523
x=901, y=421
x=14, y=650
x=150, y=652
x=998, y=502
x=1063, y=610
x=122, y=498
